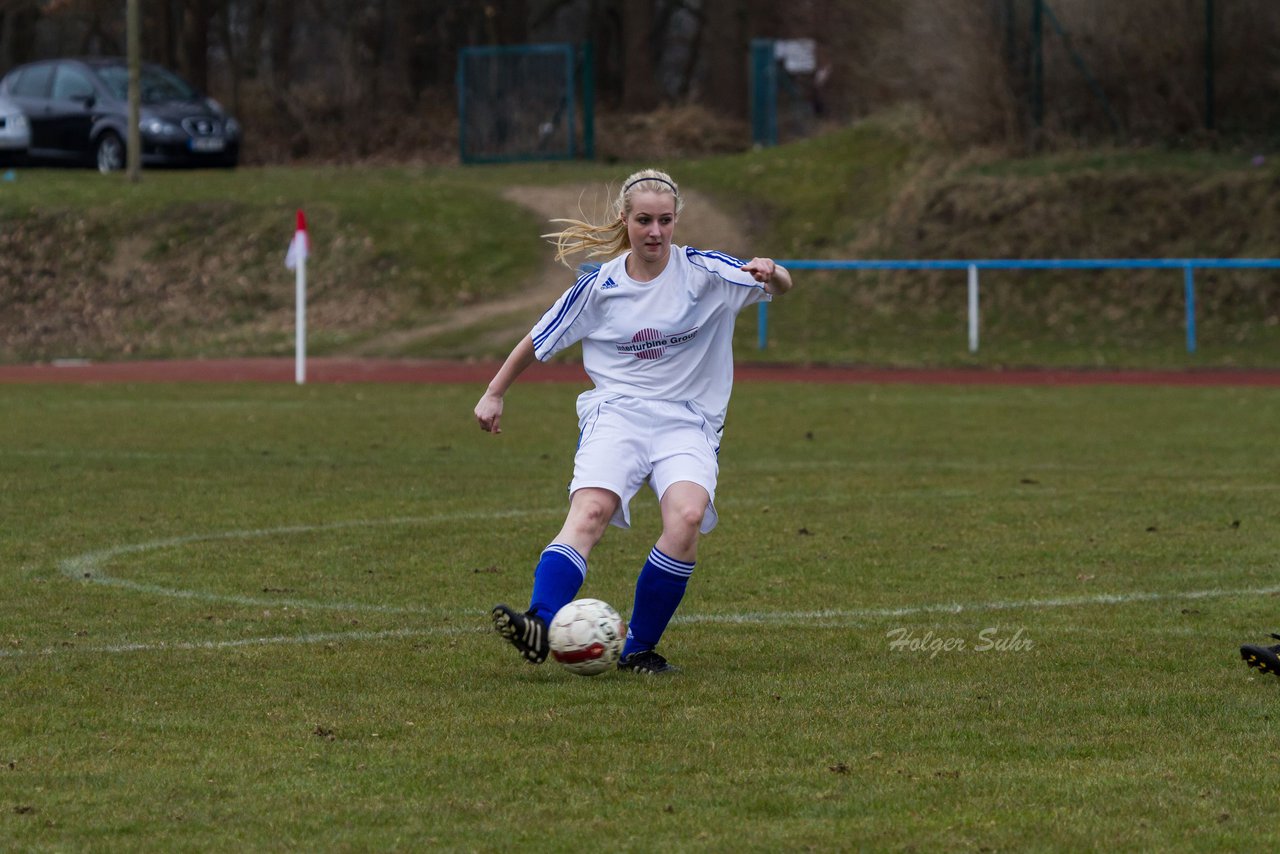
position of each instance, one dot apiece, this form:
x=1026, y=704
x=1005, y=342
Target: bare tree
x=17, y=23
x=281, y=36
x=640, y=90
x=300, y=67
x=726, y=57
x=195, y=40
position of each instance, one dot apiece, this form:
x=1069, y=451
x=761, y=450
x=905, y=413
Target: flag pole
x=296, y=260
x=300, y=345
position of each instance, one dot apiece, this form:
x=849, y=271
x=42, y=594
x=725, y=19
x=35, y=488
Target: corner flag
x=296, y=260
x=300, y=246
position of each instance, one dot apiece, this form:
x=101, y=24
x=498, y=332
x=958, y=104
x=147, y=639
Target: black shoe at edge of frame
x=524, y=630
x=1264, y=658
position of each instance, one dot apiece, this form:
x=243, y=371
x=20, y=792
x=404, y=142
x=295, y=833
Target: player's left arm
x=775, y=277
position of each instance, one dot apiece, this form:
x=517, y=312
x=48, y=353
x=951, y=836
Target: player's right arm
x=559, y=327
x=489, y=409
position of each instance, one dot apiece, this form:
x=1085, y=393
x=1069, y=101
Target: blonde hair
x=610, y=240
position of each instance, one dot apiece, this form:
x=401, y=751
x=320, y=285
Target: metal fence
x=525, y=102
x=1188, y=266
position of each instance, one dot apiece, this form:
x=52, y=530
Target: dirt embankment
x=702, y=224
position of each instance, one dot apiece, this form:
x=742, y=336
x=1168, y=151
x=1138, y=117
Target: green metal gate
x=526, y=102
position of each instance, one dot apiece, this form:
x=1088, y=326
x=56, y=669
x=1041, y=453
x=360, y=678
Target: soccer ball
x=586, y=636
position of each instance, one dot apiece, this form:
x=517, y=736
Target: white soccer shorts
x=625, y=442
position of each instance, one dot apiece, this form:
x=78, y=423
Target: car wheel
x=110, y=153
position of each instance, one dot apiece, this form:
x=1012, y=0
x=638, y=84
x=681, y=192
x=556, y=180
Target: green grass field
x=255, y=617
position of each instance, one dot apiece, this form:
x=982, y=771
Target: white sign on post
x=798, y=56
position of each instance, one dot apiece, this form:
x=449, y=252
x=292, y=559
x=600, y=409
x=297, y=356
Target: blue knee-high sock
x=557, y=579
x=659, y=590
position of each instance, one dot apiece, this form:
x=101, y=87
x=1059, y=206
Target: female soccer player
x=656, y=326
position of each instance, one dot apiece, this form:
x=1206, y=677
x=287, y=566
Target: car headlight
x=231, y=126
x=17, y=121
x=159, y=127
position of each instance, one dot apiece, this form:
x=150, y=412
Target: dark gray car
x=78, y=112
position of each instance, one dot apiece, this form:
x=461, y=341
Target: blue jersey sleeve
x=739, y=289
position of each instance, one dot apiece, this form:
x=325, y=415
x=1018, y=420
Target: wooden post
x=133, y=143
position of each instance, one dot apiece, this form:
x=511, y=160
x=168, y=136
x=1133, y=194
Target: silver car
x=15, y=132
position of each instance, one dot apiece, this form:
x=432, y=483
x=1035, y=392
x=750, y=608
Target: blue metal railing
x=973, y=267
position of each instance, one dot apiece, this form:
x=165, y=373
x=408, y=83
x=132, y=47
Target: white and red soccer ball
x=586, y=636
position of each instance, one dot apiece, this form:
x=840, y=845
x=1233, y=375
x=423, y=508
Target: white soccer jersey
x=666, y=339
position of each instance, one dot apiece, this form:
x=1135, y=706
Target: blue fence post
x=762, y=326
x=1189, y=279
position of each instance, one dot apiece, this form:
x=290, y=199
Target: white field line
x=274, y=640
x=858, y=616
x=89, y=568
x=843, y=618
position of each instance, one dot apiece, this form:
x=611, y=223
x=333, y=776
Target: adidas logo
x=608, y=283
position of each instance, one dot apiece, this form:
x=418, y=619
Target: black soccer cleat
x=648, y=662
x=525, y=630
x=1265, y=658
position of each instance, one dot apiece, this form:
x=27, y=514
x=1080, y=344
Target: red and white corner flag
x=296, y=260
x=300, y=247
